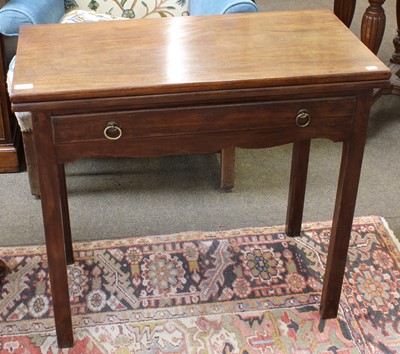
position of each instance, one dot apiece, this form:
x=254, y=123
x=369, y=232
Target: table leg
x=4, y=270
x=227, y=168
x=373, y=25
x=51, y=186
x=396, y=41
x=344, y=9
x=69, y=252
x=350, y=170
x=297, y=188
x=394, y=64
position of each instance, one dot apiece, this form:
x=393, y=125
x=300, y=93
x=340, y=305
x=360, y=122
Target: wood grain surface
x=182, y=54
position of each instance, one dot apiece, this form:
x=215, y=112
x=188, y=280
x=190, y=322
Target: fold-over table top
x=188, y=54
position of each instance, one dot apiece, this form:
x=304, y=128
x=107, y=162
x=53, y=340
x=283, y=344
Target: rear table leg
x=297, y=188
x=227, y=168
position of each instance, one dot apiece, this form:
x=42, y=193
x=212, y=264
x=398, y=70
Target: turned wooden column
x=396, y=41
x=344, y=9
x=394, y=64
x=373, y=25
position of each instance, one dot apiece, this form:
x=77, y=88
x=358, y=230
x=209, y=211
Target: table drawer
x=299, y=114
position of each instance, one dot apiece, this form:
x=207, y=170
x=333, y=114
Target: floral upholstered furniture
x=16, y=13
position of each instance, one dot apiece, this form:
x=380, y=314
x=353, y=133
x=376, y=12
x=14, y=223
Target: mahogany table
x=195, y=85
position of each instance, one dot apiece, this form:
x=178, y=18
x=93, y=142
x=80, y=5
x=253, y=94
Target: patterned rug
x=240, y=291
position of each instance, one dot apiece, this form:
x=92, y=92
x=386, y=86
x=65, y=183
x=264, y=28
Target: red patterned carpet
x=240, y=291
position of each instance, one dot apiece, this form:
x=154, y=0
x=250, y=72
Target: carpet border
x=394, y=238
x=6, y=251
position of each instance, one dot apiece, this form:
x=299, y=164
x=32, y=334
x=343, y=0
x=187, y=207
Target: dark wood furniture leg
x=372, y=30
x=373, y=22
x=227, y=168
x=344, y=9
x=52, y=186
x=373, y=25
x=350, y=169
x=395, y=60
x=4, y=270
x=396, y=41
x=69, y=252
x=297, y=187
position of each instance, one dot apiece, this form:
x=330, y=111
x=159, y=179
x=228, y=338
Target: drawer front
x=310, y=114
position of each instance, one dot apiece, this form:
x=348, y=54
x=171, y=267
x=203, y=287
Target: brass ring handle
x=112, y=131
x=303, y=118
